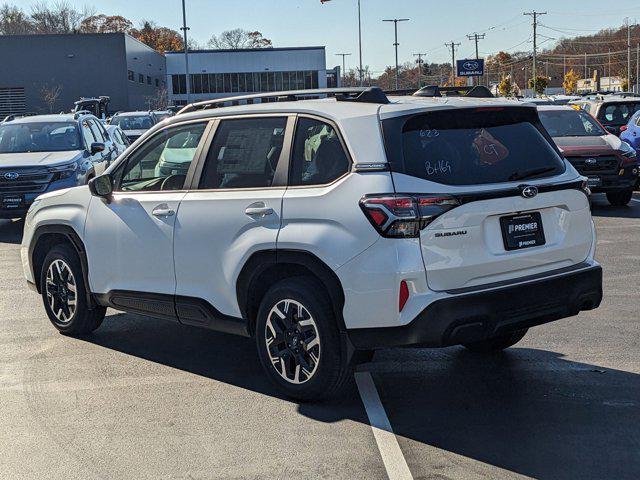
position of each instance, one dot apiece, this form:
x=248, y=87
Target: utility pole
x=453, y=46
x=395, y=25
x=564, y=73
x=419, y=55
x=586, y=73
x=186, y=51
x=344, y=64
x=534, y=14
x=638, y=68
x=609, y=69
x=475, y=37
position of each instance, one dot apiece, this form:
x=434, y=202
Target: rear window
x=570, y=123
x=617, y=113
x=471, y=146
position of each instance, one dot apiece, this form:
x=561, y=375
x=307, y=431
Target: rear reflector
x=403, y=296
x=623, y=128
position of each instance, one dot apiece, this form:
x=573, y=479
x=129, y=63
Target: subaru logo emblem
x=470, y=65
x=529, y=191
x=591, y=161
x=11, y=175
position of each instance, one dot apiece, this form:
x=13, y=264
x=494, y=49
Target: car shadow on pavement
x=527, y=411
x=11, y=231
x=601, y=208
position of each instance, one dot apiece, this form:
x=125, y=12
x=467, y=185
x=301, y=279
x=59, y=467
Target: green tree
x=540, y=83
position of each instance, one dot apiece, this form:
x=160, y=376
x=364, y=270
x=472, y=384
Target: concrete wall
x=84, y=65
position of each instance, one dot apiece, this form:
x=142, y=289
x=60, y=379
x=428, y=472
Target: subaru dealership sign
x=470, y=68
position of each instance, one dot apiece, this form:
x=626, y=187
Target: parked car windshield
x=39, y=137
x=570, y=123
x=471, y=146
x=142, y=122
x=617, y=113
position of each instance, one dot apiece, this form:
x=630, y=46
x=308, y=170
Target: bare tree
x=50, y=95
x=160, y=100
x=14, y=21
x=61, y=17
x=239, y=38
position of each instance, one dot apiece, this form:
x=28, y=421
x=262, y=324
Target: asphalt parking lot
x=148, y=399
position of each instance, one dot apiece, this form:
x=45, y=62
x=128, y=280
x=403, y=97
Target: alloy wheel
x=293, y=341
x=61, y=291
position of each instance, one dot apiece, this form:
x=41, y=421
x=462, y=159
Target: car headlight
x=627, y=150
x=64, y=171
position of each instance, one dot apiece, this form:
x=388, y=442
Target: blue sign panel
x=470, y=68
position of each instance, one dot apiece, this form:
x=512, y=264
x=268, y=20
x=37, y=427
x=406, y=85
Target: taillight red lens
x=404, y=215
x=403, y=295
x=623, y=128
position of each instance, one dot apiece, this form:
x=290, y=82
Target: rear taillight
x=403, y=295
x=623, y=128
x=404, y=215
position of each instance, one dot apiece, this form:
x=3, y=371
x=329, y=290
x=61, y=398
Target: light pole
x=395, y=25
x=186, y=51
x=360, y=44
x=344, y=64
x=419, y=55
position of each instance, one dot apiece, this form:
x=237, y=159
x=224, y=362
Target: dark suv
x=43, y=153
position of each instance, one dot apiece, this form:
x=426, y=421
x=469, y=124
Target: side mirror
x=96, y=147
x=101, y=186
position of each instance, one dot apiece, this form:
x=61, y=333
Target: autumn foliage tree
x=162, y=39
x=570, y=83
x=539, y=85
x=105, y=24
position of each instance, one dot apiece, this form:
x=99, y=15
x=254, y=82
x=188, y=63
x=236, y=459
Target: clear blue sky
x=334, y=24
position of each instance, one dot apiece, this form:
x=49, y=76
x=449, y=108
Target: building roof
x=250, y=50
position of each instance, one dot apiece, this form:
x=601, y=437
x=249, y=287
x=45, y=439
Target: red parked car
x=610, y=165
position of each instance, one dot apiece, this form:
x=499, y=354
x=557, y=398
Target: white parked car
x=133, y=124
x=327, y=227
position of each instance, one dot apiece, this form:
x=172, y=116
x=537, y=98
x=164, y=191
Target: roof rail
x=9, y=118
x=351, y=94
x=479, y=91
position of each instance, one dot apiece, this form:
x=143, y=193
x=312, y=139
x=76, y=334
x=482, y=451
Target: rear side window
x=318, y=155
x=244, y=153
x=471, y=146
x=617, y=113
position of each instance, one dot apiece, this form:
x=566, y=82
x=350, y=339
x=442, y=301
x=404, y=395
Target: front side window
x=570, y=123
x=318, y=155
x=471, y=146
x=88, y=134
x=244, y=153
x=39, y=137
x=163, y=161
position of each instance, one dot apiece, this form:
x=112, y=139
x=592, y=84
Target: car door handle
x=258, y=209
x=163, y=211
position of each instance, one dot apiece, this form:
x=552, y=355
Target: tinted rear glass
x=570, y=123
x=471, y=146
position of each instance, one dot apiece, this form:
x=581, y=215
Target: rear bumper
x=476, y=316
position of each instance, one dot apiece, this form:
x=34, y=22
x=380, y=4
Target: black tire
x=621, y=198
x=77, y=319
x=497, y=344
x=289, y=340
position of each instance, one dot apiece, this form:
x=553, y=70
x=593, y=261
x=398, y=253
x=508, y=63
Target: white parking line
x=390, y=452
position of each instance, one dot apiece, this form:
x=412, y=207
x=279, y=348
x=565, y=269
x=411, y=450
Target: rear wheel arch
x=48, y=236
x=267, y=267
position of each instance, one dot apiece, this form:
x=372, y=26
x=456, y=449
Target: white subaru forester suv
x=326, y=229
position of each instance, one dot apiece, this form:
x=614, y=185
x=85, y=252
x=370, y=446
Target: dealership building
x=224, y=73
x=78, y=65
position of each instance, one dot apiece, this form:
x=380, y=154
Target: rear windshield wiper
x=531, y=173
